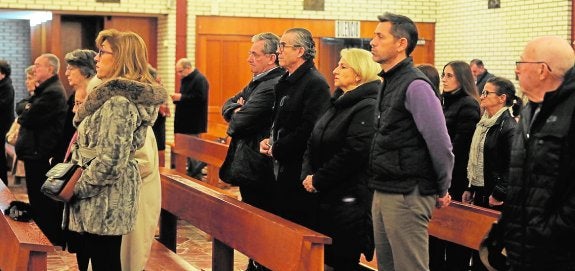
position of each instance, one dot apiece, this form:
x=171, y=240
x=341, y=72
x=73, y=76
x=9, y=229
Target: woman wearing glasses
x=491, y=146
x=336, y=161
x=461, y=109
x=490, y=150
x=112, y=124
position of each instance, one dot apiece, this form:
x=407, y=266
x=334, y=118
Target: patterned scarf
x=475, y=163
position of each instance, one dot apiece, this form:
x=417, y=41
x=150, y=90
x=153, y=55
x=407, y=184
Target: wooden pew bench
x=270, y=240
x=22, y=245
x=206, y=150
x=459, y=223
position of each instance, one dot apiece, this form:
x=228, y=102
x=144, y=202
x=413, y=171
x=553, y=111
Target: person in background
x=538, y=218
x=302, y=96
x=191, y=113
x=249, y=114
x=30, y=83
x=159, y=127
x=480, y=74
x=462, y=112
x=112, y=124
x=41, y=127
x=80, y=69
x=6, y=114
x=410, y=156
x=336, y=161
x=490, y=150
x=432, y=74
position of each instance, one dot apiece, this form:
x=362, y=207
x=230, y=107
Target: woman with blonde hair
x=336, y=161
x=112, y=124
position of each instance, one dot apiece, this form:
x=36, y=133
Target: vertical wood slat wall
x=223, y=43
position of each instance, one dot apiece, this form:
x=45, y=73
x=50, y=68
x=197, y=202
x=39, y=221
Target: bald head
x=543, y=65
x=555, y=51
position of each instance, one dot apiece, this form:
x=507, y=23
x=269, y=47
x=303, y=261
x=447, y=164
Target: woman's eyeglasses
x=102, y=52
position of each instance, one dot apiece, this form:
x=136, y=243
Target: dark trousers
x=46, y=212
x=260, y=196
x=3, y=162
x=102, y=250
x=448, y=256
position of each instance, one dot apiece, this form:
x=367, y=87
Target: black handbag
x=61, y=180
x=492, y=251
x=245, y=166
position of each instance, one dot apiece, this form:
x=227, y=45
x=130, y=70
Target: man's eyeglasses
x=517, y=63
x=283, y=45
x=486, y=93
x=102, y=52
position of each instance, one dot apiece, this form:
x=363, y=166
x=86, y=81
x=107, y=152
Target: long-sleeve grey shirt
x=424, y=106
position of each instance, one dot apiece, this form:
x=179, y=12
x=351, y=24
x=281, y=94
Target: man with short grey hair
x=302, y=96
x=249, y=114
x=42, y=124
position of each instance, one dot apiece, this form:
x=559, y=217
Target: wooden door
x=146, y=27
x=224, y=63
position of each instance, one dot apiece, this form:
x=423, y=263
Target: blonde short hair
x=130, y=55
x=362, y=63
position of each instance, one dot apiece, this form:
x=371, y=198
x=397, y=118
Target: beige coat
x=136, y=245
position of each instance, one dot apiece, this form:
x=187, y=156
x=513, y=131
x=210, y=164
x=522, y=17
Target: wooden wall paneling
x=224, y=64
x=223, y=42
x=146, y=27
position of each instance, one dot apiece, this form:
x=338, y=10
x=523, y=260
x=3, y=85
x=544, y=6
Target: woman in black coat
x=336, y=161
x=490, y=150
x=461, y=109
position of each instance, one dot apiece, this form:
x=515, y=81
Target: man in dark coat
x=249, y=114
x=42, y=124
x=6, y=114
x=302, y=96
x=539, y=212
x=479, y=73
x=191, y=114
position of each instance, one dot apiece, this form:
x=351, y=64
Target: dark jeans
x=46, y=212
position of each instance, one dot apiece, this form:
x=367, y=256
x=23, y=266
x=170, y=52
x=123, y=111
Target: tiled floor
x=193, y=245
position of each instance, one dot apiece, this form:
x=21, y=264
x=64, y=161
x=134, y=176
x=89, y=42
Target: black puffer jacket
x=42, y=122
x=461, y=115
x=539, y=213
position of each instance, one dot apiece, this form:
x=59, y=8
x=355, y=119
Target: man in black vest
x=411, y=155
x=539, y=211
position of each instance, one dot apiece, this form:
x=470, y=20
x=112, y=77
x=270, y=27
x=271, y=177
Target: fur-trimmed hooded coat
x=111, y=126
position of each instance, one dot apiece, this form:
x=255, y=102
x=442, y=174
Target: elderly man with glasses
x=539, y=214
x=302, y=96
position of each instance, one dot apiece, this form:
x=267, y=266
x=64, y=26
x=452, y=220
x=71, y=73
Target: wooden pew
x=459, y=223
x=205, y=150
x=22, y=245
x=273, y=241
